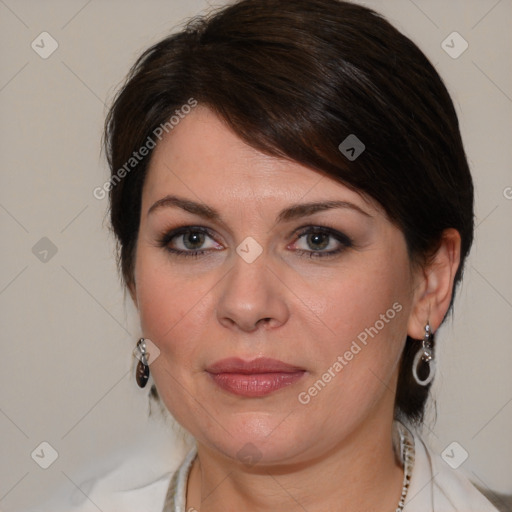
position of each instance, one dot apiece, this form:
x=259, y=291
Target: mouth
x=255, y=378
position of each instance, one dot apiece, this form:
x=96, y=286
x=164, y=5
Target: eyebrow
x=292, y=212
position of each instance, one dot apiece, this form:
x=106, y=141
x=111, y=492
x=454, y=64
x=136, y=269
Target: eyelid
x=169, y=234
x=320, y=228
x=344, y=242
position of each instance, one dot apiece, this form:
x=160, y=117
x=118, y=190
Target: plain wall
x=67, y=333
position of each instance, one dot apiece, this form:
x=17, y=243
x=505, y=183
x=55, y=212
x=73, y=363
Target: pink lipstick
x=255, y=378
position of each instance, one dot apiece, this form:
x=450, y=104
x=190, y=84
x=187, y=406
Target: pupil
x=194, y=239
x=316, y=239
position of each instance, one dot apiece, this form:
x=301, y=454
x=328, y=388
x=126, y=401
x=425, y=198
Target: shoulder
x=435, y=486
x=125, y=488
x=139, y=482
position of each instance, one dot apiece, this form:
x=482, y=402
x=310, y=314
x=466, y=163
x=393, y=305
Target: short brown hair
x=294, y=79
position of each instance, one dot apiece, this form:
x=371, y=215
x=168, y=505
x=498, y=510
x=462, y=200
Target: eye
x=312, y=241
x=319, y=241
x=189, y=241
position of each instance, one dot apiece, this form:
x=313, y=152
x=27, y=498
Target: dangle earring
x=425, y=355
x=142, y=372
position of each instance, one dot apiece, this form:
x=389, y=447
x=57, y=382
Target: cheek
x=161, y=293
x=169, y=307
x=367, y=299
x=366, y=312
x=175, y=310
x=163, y=298
x=159, y=307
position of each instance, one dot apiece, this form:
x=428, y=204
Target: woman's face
x=242, y=255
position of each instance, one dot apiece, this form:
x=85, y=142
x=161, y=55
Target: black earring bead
x=142, y=371
x=142, y=374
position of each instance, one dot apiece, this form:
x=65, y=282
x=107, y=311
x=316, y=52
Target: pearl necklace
x=406, y=453
x=403, y=442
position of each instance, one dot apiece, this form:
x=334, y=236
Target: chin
x=258, y=438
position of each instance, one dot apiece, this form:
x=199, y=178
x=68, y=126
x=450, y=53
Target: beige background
x=67, y=334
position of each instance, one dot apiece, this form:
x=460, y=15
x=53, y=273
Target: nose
x=251, y=296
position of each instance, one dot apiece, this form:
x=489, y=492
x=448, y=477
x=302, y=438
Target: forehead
x=204, y=159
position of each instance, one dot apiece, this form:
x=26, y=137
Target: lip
x=255, y=378
x=259, y=365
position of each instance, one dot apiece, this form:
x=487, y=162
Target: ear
x=434, y=286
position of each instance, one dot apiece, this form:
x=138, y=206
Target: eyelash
x=343, y=239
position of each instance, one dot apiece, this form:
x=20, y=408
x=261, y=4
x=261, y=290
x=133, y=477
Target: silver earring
x=425, y=355
x=142, y=372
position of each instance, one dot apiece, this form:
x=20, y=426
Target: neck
x=359, y=474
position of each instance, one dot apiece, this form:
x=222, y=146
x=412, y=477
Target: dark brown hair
x=293, y=79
